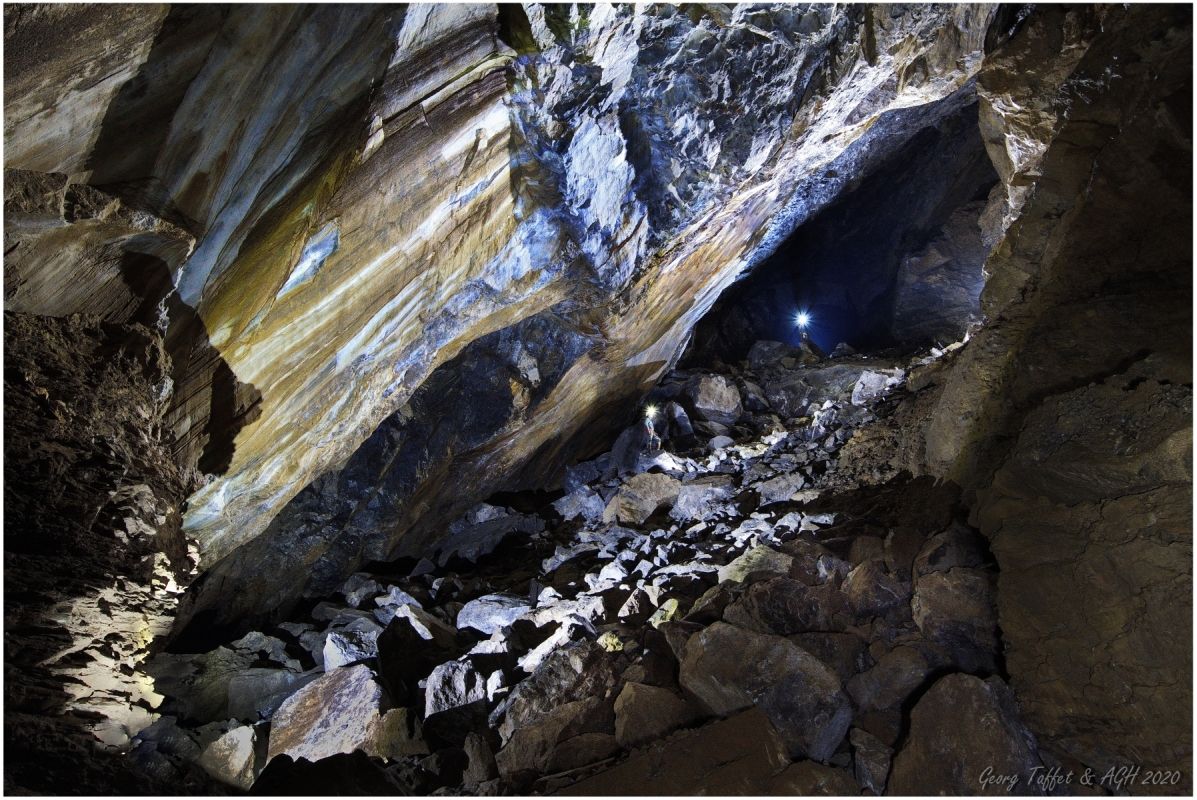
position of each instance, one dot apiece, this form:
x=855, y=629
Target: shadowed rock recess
x=598, y=400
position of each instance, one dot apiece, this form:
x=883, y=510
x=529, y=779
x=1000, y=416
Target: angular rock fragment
x=491, y=612
x=256, y=693
x=956, y=609
x=336, y=713
x=697, y=499
x=398, y=734
x=728, y=669
x=644, y=713
x=759, y=559
x=891, y=680
x=872, y=591
x=351, y=643
x=232, y=757
x=640, y=496
x=583, y=502
x=871, y=760
x=962, y=729
x=714, y=398
x=735, y=756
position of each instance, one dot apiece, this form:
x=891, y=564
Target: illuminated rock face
x=591, y=196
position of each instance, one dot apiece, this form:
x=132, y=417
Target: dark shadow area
x=895, y=262
x=138, y=120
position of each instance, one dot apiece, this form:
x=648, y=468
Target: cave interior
x=598, y=400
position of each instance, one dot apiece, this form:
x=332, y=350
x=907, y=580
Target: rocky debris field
x=710, y=607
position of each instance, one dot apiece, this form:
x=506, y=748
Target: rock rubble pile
x=710, y=583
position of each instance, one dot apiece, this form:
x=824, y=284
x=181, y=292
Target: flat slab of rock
x=337, y=713
x=729, y=669
x=960, y=728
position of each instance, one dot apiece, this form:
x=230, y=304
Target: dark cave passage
x=896, y=262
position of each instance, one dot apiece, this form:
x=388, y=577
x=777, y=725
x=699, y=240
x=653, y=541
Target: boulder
x=870, y=759
x=792, y=393
x=491, y=612
x=696, y=500
x=956, y=609
x=845, y=653
x=530, y=749
x=786, y=606
x=450, y=685
x=358, y=588
x=872, y=591
x=397, y=735
x=895, y=676
x=454, y=702
x=767, y=355
x=872, y=384
x=232, y=757
x=811, y=779
x=780, y=489
x=351, y=643
x=640, y=496
x=729, y=669
x=677, y=424
x=575, y=671
x=478, y=533
x=714, y=398
x=583, y=502
x=758, y=559
x=735, y=756
x=644, y=713
x=958, y=546
x=480, y=760
x=961, y=730
x=257, y=692
x=336, y=713
x=427, y=626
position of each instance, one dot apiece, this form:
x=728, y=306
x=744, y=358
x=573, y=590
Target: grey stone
x=491, y=612
x=714, y=398
x=336, y=713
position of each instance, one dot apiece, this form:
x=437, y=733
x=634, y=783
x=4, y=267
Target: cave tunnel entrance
x=896, y=262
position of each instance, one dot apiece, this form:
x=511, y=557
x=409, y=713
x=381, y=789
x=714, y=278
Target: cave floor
x=744, y=614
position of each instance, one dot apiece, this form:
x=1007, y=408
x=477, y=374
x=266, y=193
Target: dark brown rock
x=644, y=713
x=728, y=669
x=735, y=756
x=962, y=732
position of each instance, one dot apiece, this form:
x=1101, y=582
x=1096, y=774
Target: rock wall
x=578, y=195
x=94, y=556
x=1069, y=417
